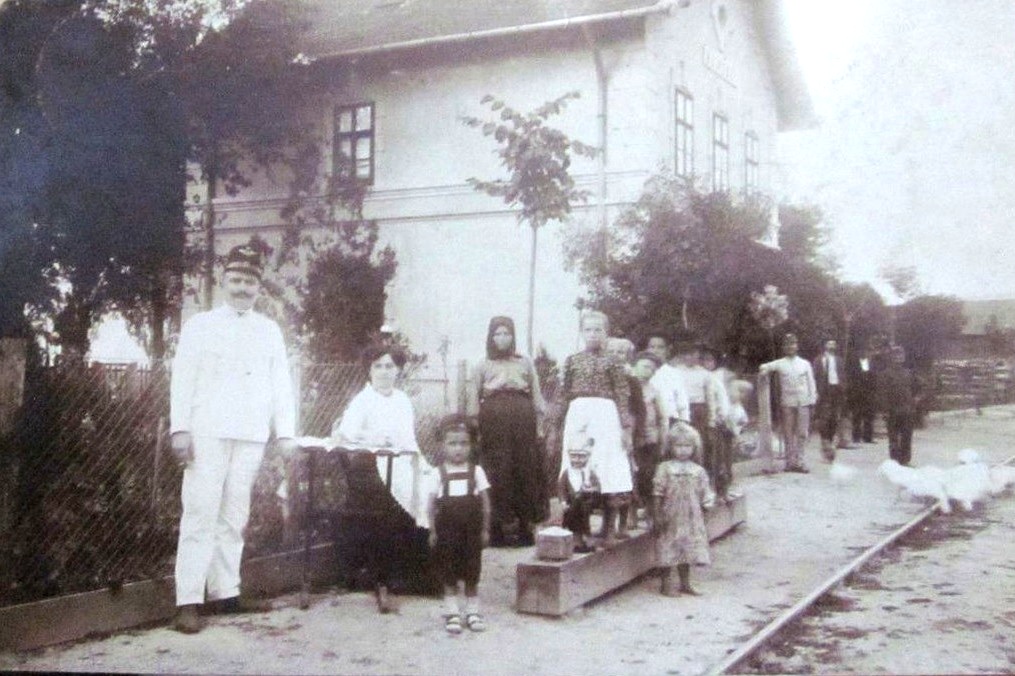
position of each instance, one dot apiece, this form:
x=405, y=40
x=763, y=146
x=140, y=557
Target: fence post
x=160, y=433
x=461, y=383
x=292, y=468
x=12, y=391
x=765, y=434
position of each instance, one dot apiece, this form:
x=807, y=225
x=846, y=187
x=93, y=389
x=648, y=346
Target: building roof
x=979, y=313
x=345, y=28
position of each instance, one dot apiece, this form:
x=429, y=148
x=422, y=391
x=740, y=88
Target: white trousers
x=216, y=506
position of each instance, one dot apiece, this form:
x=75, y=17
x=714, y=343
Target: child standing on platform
x=596, y=394
x=459, y=506
x=647, y=447
x=579, y=492
x=682, y=492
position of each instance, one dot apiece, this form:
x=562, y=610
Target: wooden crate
x=556, y=587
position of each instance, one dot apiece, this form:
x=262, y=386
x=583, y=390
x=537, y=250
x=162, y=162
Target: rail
x=797, y=610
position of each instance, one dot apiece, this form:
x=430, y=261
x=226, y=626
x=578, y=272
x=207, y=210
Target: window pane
x=363, y=121
x=345, y=149
x=363, y=168
x=344, y=120
x=364, y=148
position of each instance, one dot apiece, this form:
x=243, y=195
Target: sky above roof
x=914, y=161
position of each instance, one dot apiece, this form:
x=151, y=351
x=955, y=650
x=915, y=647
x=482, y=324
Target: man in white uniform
x=799, y=393
x=230, y=388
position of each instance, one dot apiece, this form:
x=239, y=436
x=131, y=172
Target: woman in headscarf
x=505, y=393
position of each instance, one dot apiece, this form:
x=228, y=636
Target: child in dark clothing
x=459, y=505
x=579, y=492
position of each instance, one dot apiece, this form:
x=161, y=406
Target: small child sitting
x=580, y=492
x=459, y=505
x=682, y=491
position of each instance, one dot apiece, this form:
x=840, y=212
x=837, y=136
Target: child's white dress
x=685, y=491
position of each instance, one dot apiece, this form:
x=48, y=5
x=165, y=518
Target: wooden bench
x=556, y=587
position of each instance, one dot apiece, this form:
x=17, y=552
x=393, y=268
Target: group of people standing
x=629, y=432
x=833, y=386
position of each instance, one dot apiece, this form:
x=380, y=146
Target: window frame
x=720, y=152
x=752, y=163
x=348, y=170
x=683, y=145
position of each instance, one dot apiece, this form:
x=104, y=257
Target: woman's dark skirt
x=512, y=461
x=379, y=542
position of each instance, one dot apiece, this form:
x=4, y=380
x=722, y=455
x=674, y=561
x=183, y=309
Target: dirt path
x=800, y=529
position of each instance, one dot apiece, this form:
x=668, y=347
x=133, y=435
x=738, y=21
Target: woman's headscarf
x=491, y=348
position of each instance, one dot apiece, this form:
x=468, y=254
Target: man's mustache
x=242, y=294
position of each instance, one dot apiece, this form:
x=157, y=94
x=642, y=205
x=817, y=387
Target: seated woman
x=384, y=531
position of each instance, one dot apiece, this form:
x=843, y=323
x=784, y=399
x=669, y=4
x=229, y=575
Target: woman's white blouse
x=377, y=420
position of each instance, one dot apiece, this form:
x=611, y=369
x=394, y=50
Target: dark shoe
x=187, y=621
x=668, y=588
x=239, y=604
x=799, y=469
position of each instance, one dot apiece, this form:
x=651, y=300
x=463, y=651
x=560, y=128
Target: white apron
x=598, y=419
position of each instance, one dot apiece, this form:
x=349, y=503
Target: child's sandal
x=475, y=622
x=453, y=624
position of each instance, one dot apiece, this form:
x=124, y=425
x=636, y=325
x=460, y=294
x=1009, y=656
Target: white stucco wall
x=462, y=256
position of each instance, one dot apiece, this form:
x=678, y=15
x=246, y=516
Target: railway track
x=763, y=638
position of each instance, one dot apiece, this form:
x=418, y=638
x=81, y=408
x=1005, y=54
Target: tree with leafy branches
x=680, y=261
x=537, y=158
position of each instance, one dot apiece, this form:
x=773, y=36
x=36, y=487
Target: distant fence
x=971, y=383
x=92, y=494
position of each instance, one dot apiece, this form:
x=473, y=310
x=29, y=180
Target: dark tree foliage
x=925, y=324
x=681, y=262
x=344, y=296
x=102, y=103
x=24, y=162
x=114, y=194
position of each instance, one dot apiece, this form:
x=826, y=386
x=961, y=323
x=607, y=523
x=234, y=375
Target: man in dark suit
x=830, y=377
x=861, y=373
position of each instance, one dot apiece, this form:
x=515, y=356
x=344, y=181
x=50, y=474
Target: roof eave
x=557, y=24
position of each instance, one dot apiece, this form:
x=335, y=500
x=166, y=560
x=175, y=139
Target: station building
x=701, y=88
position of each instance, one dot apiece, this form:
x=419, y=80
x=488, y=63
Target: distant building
x=983, y=317
x=698, y=87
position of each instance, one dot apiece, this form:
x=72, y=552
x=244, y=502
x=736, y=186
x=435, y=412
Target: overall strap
x=472, y=478
x=444, y=480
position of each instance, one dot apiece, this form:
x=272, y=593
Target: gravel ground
x=947, y=593
x=800, y=529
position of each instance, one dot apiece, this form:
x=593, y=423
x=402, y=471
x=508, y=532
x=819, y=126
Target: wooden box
x=554, y=544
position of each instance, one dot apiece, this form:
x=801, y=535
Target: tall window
x=684, y=134
x=354, y=142
x=751, y=163
x=720, y=153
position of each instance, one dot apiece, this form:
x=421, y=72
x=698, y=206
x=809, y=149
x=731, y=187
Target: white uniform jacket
x=231, y=379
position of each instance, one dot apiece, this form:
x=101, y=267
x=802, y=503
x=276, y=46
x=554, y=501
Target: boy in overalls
x=459, y=503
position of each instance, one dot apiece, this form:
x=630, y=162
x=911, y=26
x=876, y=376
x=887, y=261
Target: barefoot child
x=682, y=491
x=459, y=506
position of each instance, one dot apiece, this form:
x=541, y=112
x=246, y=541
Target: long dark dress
x=508, y=393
